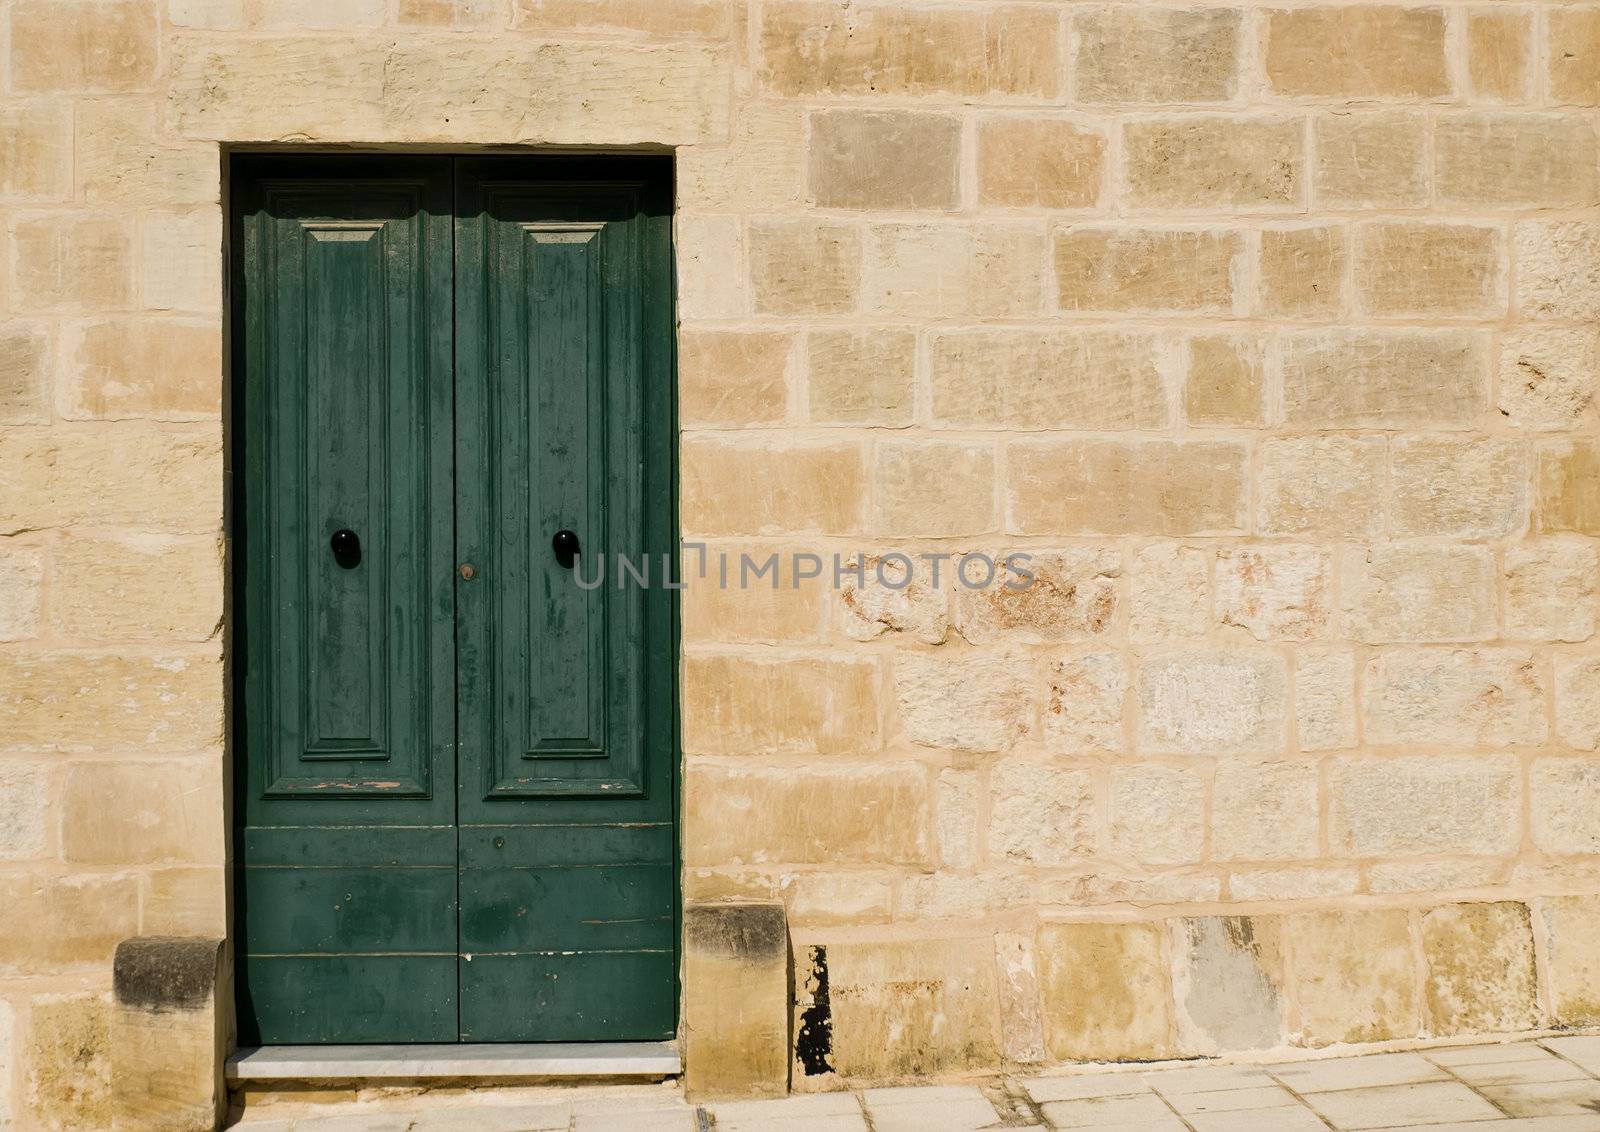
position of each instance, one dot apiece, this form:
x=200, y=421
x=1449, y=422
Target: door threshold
x=632, y=1061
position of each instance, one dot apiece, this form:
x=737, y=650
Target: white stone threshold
x=636, y=1061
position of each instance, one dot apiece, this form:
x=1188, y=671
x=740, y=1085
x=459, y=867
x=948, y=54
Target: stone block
x=55, y=923
x=1499, y=54
x=1264, y=811
x=832, y=815
x=1085, y=700
x=1275, y=592
x=1479, y=974
x=1040, y=813
x=862, y=377
x=1047, y=379
x=819, y=47
x=1040, y=163
x=1462, y=488
x=762, y=165
x=1487, y=697
x=1107, y=991
x=756, y=488
x=750, y=591
x=169, y=479
x=186, y=901
x=1352, y=976
x=1156, y=814
x=123, y=154
x=69, y=45
x=1292, y=883
x=181, y=260
x=1578, y=700
x=1049, y=598
x=127, y=813
x=1227, y=983
x=804, y=266
x=21, y=591
x=1565, y=795
x=690, y=19
x=732, y=378
x=155, y=368
x=1566, y=483
x=884, y=593
x=1302, y=272
x=1206, y=162
x=1170, y=592
x=885, y=159
x=710, y=255
x=1021, y=1026
x=1357, y=51
x=1573, y=55
x=1572, y=957
x=976, y=702
x=68, y=1062
x=1416, y=804
x=1407, y=269
x=1384, y=378
x=1147, y=269
x=1367, y=160
x=932, y=489
x=1417, y=592
x=940, y=270
x=26, y=793
x=1549, y=377
x=36, y=151
x=1328, y=486
x=1325, y=698
x=1516, y=160
x=1212, y=701
x=1550, y=587
x=1225, y=381
x=913, y=1007
x=756, y=705
x=170, y=1033
x=1114, y=487
x=955, y=817
x=442, y=13
x=736, y=971
x=71, y=262
x=24, y=375
x=97, y=701
x=1155, y=55
x=1558, y=269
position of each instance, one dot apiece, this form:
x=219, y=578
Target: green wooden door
x=456, y=787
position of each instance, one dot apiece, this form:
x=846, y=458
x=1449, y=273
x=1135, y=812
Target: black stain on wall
x=813, y=1044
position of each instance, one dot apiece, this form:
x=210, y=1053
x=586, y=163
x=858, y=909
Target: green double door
x=455, y=784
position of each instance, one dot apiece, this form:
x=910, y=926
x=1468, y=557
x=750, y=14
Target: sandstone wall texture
x=1271, y=331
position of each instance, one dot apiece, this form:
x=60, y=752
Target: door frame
x=662, y=352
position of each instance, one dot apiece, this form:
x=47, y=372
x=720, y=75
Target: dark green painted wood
x=346, y=677
x=564, y=420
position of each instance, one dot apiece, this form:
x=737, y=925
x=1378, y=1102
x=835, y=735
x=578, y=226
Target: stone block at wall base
x=736, y=985
x=169, y=1034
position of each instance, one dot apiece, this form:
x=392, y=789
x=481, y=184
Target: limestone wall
x=1269, y=331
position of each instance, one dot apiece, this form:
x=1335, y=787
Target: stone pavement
x=1550, y=1085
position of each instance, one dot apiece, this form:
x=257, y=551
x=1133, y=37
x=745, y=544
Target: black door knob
x=346, y=547
x=565, y=544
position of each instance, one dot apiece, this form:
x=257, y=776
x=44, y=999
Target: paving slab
x=1500, y=1053
x=1436, y=1102
x=1207, y=1079
x=1548, y=1098
x=1550, y=1068
x=1357, y=1072
x=1295, y=1119
x=1233, y=1100
x=1109, y=1112
x=1585, y=1051
x=1044, y=1089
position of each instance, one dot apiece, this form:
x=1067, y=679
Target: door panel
x=564, y=422
x=345, y=664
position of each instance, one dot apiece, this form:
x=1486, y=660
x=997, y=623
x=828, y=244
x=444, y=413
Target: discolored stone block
x=1480, y=974
x=1085, y=698
x=97, y=701
x=1558, y=269
x=1424, y=804
x=1155, y=55
x=1227, y=983
x=1405, y=269
x=1572, y=955
x=1211, y=701
x=975, y=703
x=159, y=369
x=1549, y=377
x=1107, y=991
x=1146, y=269
x=732, y=377
x=860, y=376
x=804, y=267
x=1275, y=592
x=1357, y=51
x=1041, y=597
x=736, y=972
x=68, y=1062
x=169, y=1033
x=1156, y=487
x=1384, y=378
x=742, y=705
x=1567, y=487
x=1486, y=697
x=1224, y=383
x=1205, y=162
x=72, y=262
x=1352, y=976
x=1040, y=163
x=885, y=159
x=69, y=45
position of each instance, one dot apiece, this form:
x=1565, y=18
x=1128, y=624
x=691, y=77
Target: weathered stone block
x=1499, y=54
x=1406, y=269
x=745, y=705
x=26, y=792
x=1040, y=163
x=72, y=262
x=1224, y=383
x=1325, y=698
x=1292, y=883
x=692, y=19
x=144, y=813
x=732, y=378
x=1212, y=701
x=1578, y=701
x=1434, y=876
x=884, y=593
x=1371, y=160
x=1275, y=592
x=804, y=267
x=1170, y=593
x=186, y=901
x=169, y=1034
x=1155, y=55
x=95, y=701
x=1107, y=991
x=68, y=1062
x=885, y=159
x=1330, y=486
x=1567, y=487
x=1479, y=969
x=1084, y=708
x=977, y=702
x=1566, y=805
x=1040, y=813
x=36, y=151
x=1047, y=379
x=1573, y=55
x=860, y=376
x=24, y=375
x=1146, y=269
x=1550, y=587
x=1156, y=487
x=736, y=1000
x=21, y=591
x=932, y=489
x=1572, y=956
x=1549, y=377
x=761, y=166
x=810, y=47
x=1156, y=814
x=1384, y=378
x=181, y=260
x=1264, y=811
x=123, y=154
x=440, y=13
x=760, y=598
x=1491, y=697
x=913, y=1007
x=745, y=488
x=877, y=814
x=1357, y=51
x=1516, y=160
x=168, y=479
x=990, y=270
x=1227, y=983
x=137, y=586
x=1302, y=271
x=1463, y=488
x=707, y=245
x=1208, y=162
x=56, y=922
x=1051, y=597
x=1424, y=804
x=1558, y=269
x=1352, y=976
x=72, y=46
x=164, y=369
x=955, y=817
